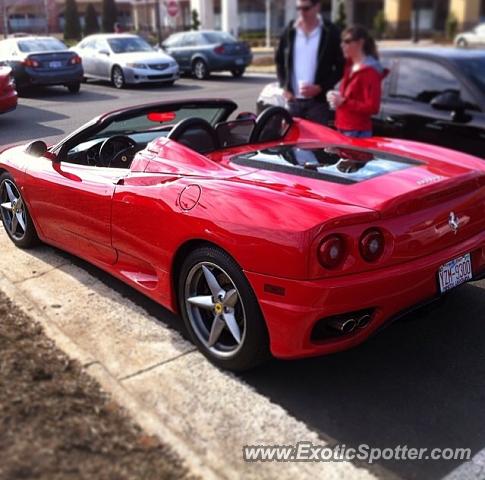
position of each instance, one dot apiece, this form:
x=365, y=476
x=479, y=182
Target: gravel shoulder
x=57, y=423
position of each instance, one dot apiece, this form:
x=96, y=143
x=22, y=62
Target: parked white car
x=125, y=59
x=472, y=38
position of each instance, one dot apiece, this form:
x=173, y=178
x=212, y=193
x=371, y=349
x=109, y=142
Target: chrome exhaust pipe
x=343, y=325
x=363, y=321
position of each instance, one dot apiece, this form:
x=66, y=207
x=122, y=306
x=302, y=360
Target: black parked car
x=41, y=61
x=208, y=51
x=435, y=96
x=432, y=95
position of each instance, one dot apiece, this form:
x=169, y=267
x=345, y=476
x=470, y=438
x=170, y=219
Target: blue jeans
x=357, y=133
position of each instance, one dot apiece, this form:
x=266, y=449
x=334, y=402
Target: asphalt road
x=50, y=113
x=418, y=383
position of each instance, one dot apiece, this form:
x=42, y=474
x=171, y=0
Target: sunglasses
x=304, y=8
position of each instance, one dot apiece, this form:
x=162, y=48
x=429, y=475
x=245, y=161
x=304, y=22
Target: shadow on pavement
x=419, y=383
x=12, y=125
x=61, y=94
x=149, y=87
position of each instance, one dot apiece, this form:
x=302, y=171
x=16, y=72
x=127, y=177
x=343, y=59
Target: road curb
x=204, y=414
x=146, y=419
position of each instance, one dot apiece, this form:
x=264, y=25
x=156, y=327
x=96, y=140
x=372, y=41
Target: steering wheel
x=109, y=154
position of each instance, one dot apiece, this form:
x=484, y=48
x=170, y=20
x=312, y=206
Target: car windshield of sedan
x=129, y=45
x=41, y=45
x=474, y=68
x=218, y=37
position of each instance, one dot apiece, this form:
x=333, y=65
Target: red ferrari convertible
x=8, y=94
x=268, y=235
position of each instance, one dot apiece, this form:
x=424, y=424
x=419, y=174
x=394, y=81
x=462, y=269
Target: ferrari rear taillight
x=371, y=245
x=30, y=62
x=75, y=60
x=332, y=251
x=219, y=49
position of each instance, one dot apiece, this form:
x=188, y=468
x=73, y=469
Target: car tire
x=239, y=338
x=200, y=70
x=15, y=215
x=238, y=72
x=118, y=77
x=462, y=43
x=74, y=87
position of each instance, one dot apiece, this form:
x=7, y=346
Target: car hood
x=142, y=57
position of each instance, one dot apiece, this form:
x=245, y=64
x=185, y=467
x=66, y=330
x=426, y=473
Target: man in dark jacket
x=309, y=62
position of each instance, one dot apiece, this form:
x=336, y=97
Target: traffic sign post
x=172, y=8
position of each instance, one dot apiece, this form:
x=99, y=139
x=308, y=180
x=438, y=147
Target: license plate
x=55, y=64
x=455, y=272
x=239, y=61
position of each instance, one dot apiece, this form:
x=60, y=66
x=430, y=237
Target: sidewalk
x=205, y=415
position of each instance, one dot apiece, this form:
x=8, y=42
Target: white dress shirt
x=305, y=58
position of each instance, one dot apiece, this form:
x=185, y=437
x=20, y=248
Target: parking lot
x=51, y=113
x=417, y=383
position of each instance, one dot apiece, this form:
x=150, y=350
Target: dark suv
x=41, y=61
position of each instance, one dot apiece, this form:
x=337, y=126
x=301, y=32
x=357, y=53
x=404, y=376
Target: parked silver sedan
x=125, y=59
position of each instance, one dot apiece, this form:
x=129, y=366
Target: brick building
x=242, y=15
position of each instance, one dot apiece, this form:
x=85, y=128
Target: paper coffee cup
x=301, y=84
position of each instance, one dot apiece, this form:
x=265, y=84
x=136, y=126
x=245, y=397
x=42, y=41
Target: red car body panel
x=138, y=223
x=8, y=94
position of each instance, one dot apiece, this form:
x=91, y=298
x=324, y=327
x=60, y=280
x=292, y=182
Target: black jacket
x=330, y=65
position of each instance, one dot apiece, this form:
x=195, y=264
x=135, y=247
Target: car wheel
x=117, y=77
x=462, y=43
x=200, y=70
x=238, y=72
x=220, y=310
x=15, y=216
x=74, y=87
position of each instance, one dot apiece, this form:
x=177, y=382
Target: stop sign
x=172, y=8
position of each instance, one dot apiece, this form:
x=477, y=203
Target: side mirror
x=448, y=101
x=104, y=52
x=37, y=148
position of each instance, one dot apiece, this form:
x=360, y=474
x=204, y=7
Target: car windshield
x=129, y=44
x=474, y=68
x=146, y=122
x=41, y=45
x=219, y=37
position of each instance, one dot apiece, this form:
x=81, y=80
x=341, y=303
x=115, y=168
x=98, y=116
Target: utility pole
x=416, y=21
x=5, y=18
x=157, y=21
x=46, y=13
x=268, y=24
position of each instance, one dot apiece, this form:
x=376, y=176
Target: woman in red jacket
x=359, y=95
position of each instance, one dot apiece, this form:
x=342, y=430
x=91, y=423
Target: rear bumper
x=222, y=62
x=33, y=77
x=145, y=75
x=8, y=102
x=292, y=316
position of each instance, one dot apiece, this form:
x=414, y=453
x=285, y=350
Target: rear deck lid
x=376, y=180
